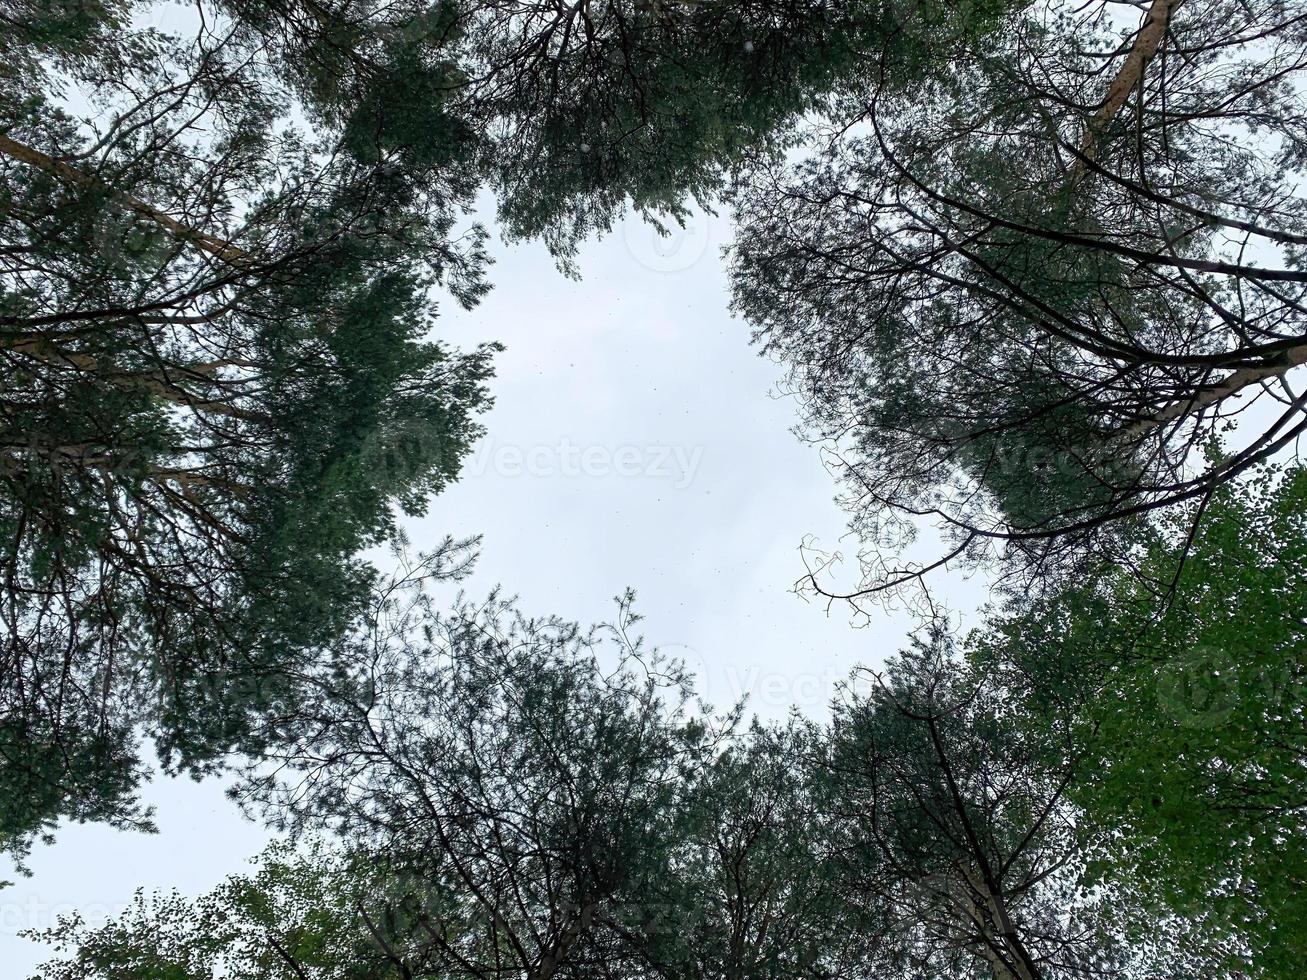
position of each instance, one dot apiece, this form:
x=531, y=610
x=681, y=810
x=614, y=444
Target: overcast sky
x=636, y=440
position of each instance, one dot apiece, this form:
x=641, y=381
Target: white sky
x=634, y=442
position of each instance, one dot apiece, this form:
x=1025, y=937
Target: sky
x=636, y=441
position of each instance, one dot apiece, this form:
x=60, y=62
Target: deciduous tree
x=1184, y=694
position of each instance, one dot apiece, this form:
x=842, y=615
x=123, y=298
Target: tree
x=512, y=800
x=590, y=106
x=219, y=241
x=953, y=827
x=580, y=109
x=505, y=793
x=1019, y=299
x=217, y=389
x=740, y=897
x=748, y=893
x=1190, y=713
x=525, y=773
x=300, y=916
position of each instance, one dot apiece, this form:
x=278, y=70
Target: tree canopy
x=1190, y=714
x=1021, y=298
x=222, y=234
x=218, y=388
x=522, y=797
x=1035, y=271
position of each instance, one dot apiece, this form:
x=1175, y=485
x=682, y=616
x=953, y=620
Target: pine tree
x=1021, y=298
x=218, y=387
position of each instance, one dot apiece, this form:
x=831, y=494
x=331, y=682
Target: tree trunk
x=48, y=353
x=1227, y=387
x=1131, y=73
x=217, y=247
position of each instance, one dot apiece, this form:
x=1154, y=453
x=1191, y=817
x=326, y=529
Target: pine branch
x=219, y=248
x=1131, y=73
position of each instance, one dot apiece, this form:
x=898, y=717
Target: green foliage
x=1010, y=301
x=516, y=796
x=221, y=236
x=526, y=773
x=301, y=915
x=577, y=110
x=219, y=387
x=952, y=829
x=748, y=890
x=1183, y=687
x=651, y=101
x=1017, y=293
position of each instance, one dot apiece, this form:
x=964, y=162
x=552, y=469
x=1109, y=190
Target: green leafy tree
x=515, y=801
x=300, y=916
x=1184, y=692
x=589, y=106
x=578, y=110
x=742, y=895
